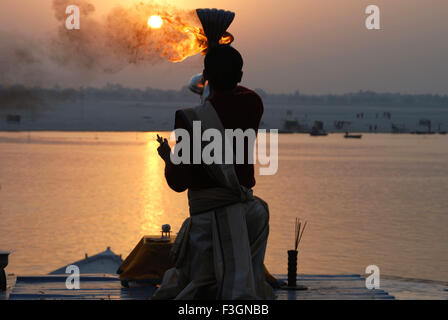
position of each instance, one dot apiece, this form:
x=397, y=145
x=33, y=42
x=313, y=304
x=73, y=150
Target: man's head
x=223, y=68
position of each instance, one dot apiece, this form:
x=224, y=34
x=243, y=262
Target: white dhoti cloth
x=224, y=256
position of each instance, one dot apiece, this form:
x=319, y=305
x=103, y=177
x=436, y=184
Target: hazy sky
x=315, y=46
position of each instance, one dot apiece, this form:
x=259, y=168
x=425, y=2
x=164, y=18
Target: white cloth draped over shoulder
x=219, y=251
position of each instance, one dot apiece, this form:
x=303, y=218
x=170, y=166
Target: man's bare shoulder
x=243, y=91
x=254, y=100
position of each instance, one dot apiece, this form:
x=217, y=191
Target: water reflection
x=152, y=191
x=381, y=200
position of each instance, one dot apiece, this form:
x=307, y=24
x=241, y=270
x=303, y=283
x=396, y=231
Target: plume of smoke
x=105, y=43
x=19, y=62
x=121, y=38
x=20, y=98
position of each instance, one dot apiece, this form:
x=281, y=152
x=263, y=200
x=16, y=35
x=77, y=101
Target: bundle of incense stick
x=298, y=232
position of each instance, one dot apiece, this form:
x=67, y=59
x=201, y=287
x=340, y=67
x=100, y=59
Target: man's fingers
x=159, y=139
x=164, y=149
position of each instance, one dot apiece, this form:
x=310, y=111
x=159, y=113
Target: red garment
x=242, y=108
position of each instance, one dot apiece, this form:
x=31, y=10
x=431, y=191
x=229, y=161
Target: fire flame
x=193, y=39
x=131, y=34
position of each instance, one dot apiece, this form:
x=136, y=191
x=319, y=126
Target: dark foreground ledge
x=108, y=287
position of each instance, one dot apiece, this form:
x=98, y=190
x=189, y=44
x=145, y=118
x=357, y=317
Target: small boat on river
x=352, y=136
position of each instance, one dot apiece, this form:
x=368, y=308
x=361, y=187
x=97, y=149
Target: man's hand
x=164, y=149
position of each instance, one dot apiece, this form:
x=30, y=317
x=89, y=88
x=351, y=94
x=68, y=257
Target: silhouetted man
x=220, y=249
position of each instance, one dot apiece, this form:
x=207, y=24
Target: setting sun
x=155, y=22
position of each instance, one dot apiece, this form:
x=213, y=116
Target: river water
x=380, y=200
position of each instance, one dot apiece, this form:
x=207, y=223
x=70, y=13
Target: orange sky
x=315, y=46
